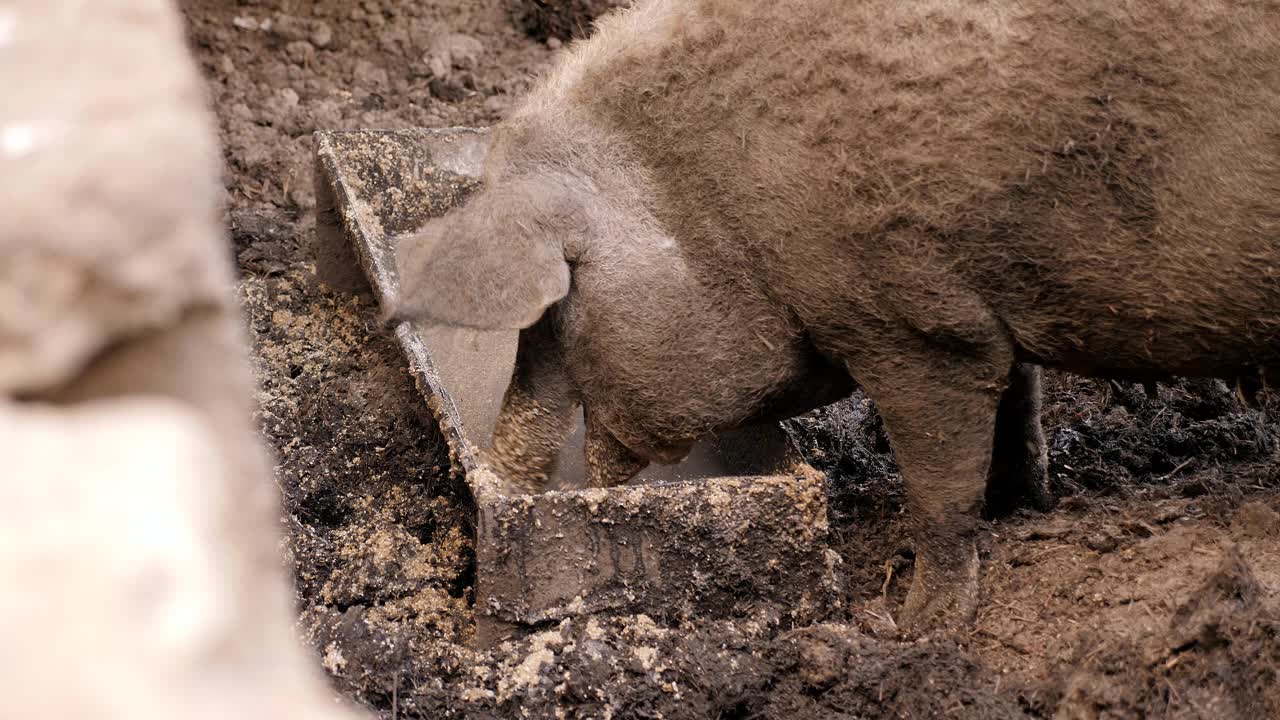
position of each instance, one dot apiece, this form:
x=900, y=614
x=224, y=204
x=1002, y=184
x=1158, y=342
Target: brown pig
x=715, y=212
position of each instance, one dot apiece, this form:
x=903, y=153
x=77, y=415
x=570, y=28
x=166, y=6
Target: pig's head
x=496, y=263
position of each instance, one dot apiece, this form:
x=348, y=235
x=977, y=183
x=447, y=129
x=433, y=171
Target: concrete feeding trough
x=736, y=527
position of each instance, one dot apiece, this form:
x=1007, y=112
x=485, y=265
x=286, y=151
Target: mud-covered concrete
x=715, y=548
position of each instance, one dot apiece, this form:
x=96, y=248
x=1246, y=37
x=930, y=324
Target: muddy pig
x=714, y=212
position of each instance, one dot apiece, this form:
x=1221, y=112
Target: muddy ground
x=1149, y=592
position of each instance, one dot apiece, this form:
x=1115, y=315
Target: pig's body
x=1099, y=185
x=755, y=197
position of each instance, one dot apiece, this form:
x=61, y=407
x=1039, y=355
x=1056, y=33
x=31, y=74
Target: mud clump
x=1257, y=520
x=829, y=671
x=1219, y=658
x=630, y=667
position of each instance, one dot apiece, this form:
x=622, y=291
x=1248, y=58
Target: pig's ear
x=497, y=263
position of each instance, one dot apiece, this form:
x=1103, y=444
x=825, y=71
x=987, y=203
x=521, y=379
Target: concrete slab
x=720, y=546
x=734, y=525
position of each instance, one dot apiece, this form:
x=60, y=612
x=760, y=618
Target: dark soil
x=1149, y=592
x=562, y=20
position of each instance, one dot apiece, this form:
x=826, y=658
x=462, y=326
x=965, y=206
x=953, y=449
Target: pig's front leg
x=1019, y=459
x=538, y=412
x=609, y=462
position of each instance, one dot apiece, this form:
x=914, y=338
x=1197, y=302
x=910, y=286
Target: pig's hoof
x=1018, y=484
x=1037, y=495
x=514, y=478
x=944, y=595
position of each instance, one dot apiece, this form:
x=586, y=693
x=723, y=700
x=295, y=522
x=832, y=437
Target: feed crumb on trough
x=333, y=660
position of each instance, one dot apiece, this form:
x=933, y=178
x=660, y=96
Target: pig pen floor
x=1149, y=592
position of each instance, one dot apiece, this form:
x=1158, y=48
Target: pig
x=713, y=213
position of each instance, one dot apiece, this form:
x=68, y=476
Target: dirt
x=1149, y=592
x=560, y=20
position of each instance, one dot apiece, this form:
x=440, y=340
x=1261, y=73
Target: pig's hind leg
x=1019, y=459
x=937, y=369
x=941, y=424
